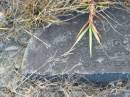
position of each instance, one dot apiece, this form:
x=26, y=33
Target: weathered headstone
x=112, y=57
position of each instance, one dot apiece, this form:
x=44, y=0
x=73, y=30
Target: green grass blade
x=90, y=40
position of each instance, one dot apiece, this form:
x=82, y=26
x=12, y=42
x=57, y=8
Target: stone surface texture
x=112, y=57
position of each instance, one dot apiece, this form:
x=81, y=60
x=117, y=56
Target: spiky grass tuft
x=89, y=26
x=93, y=7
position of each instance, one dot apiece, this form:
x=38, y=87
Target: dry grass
x=20, y=16
x=36, y=88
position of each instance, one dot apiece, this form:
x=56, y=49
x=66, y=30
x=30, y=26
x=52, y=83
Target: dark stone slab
x=100, y=80
x=113, y=57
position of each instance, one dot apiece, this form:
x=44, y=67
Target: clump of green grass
x=89, y=26
x=90, y=6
